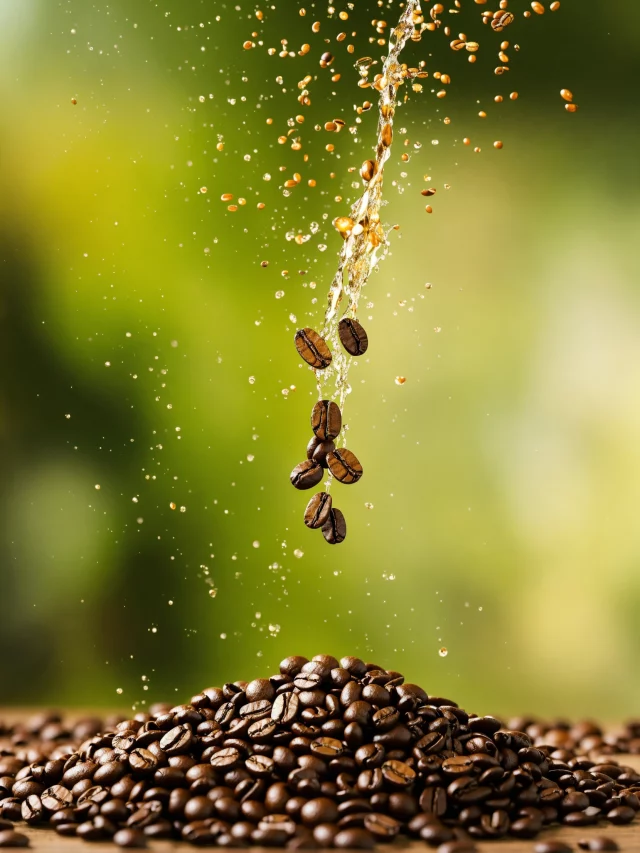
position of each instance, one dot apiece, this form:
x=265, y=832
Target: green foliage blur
x=147, y=363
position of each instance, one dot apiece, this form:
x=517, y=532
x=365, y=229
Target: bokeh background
x=147, y=362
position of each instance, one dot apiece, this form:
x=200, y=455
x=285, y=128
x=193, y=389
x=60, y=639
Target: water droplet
x=443, y=652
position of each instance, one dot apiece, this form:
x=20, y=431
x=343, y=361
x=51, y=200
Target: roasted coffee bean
x=9, y=838
x=317, y=451
x=434, y=801
x=32, y=809
x=306, y=475
x=326, y=748
x=435, y=833
x=177, y=740
x=334, y=529
x=381, y=826
x=56, y=797
x=312, y=348
x=131, y=838
x=552, y=846
x=352, y=336
x=285, y=708
x=344, y=465
x=621, y=815
x=598, y=843
x=326, y=420
x=398, y=773
x=318, y=509
x=458, y=847
x=355, y=838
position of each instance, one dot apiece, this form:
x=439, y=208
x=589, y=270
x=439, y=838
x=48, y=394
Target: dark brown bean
x=317, y=512
x=317, y=450
x=598, y=843
x=355, y=838
x=312, y=348
x=334, y=529
x=552, y=845
x=344, y=465
x=9, y=838
x=306, y=475
x=326, y=420
x=352, y=336
x=130, y=838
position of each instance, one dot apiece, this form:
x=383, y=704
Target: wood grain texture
x=628, y=838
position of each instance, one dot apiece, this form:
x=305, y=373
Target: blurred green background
x=144, y=352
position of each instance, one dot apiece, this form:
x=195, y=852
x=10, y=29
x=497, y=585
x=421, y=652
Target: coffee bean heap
x=325, y=753
x=326, y=423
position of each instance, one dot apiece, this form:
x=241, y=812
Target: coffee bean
x=312, y=348
x=334, y=529
x=326, y=420
x=398, y=773
x=32, y=809
x=56, y=797
x=317, y=512
x=552, y=846
x=177, y=740
x=306, y=475
x=285, y=708
x=598, y=843
x=458, y=847
x=381, y=826
x=352, y=336
x=131, y=838
x=9, y=838
x=317, y=450
x=357, y=839
x=226, y=758
x=434, y=801
x=621, y=815
x=344, y=465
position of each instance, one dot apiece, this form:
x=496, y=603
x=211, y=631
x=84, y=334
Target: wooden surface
x=627, y=837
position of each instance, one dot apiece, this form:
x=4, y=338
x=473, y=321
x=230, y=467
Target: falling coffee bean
x=317, y=511
x=334, y=529
x=306, y=475
x=353, y=337
x=318, y=450
x=326, y=420
x=313, y=348
x=344, y=465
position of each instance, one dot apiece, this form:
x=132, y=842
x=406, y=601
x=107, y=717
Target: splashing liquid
x=366, y=241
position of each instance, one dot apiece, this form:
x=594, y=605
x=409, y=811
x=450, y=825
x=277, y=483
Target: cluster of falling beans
x=326, y=423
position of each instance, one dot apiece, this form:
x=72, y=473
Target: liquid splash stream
x=365, y=239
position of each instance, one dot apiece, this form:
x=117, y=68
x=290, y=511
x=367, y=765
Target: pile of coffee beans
x=326, y=423
x=324, y=753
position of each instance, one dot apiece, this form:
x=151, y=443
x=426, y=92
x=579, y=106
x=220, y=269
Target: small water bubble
x=368, y=505
x=298, y=553
x=213, y=592
x=223, y=636
x=443, y=652
x=252, y=380
x=256, y=543
x=119, y=690
x=279, y=294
